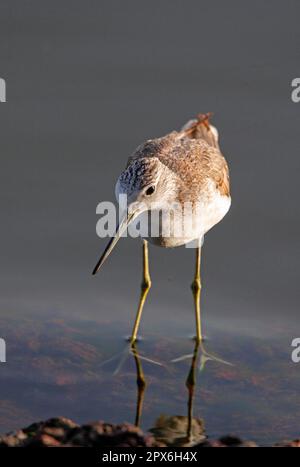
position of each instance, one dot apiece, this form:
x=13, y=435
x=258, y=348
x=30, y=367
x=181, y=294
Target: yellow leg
x=196, y=288
x=145, y=287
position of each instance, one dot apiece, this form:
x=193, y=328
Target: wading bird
x=183, y=168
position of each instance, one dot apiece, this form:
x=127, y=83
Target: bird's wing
x=196, y=163
x=212, y=164
x=219, y=173
x=193, y=154
x=201, y=128
x=195, y=129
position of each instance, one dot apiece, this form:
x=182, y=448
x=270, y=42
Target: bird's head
x=147, y=185
x=145, y=182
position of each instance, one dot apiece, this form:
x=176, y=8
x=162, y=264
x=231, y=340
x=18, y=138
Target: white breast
x=215, y=210
x=209, y=212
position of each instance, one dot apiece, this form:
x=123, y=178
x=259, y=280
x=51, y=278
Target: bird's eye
x=150, y=190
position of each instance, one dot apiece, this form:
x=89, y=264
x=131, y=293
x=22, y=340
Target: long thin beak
x=113, y=241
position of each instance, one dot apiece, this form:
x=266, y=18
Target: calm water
x=81, y=368
x=85, y=87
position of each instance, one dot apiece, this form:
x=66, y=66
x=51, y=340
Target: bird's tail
x=201, y=128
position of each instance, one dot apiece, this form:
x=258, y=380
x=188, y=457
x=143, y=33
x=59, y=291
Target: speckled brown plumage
x=192, y=154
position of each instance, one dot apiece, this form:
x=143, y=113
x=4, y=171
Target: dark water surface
x=85, y=85
x=82, y=369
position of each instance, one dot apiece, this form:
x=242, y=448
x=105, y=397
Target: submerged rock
x=61, y=432
x=172, y=431
x=64, y=432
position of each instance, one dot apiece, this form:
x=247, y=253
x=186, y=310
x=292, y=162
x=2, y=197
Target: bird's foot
x=202, y=357
x=182, y=358
x=121, y=357
x=206, y=357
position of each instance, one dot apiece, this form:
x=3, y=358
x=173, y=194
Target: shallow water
x=82, y=369
x=85, y=87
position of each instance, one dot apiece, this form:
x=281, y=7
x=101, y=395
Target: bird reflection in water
x=141, y=384
x=176, y=430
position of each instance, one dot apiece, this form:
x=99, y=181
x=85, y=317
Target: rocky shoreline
x=63, y=432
